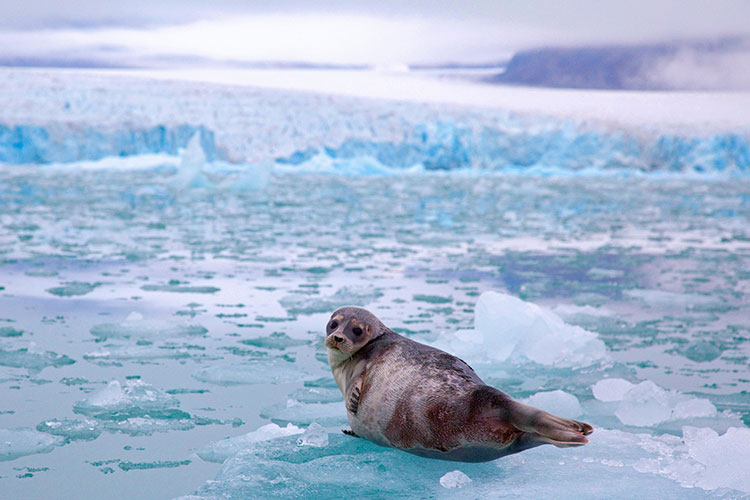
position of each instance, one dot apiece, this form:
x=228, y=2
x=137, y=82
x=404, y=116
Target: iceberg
x=506, y=327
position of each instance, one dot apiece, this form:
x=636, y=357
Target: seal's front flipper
x=547, y=428
x=349, y=432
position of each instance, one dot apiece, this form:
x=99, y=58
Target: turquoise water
x=140, y=324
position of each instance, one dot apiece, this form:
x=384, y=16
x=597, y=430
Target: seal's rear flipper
x=547, y=428
x=349, y=432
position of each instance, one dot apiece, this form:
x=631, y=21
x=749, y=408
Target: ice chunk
x=190, y=172
x=145, y=329
x=327, y=414
x=137, y=408
x=643, y=405
x=557, y=402
x=73, y=288
x=218, y=451
x=314, y=435
x=116, y=398
x=611, y=389
x=693, y=408
x=647, y=404
x=506, y=326
x=33, y=359
x=269, y=370
x=277, y=340
x=454, y=479
x=16, y=443
x=725, y=458
x=71, y=430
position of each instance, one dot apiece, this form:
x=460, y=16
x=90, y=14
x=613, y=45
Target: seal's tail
x=547, y=428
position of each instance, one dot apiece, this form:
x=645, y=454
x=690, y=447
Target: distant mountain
x=720, y=64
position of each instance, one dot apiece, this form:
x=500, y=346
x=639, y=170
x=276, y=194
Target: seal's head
x=350, y=328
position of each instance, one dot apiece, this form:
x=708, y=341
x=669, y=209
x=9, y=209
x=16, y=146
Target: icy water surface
x=140, y=325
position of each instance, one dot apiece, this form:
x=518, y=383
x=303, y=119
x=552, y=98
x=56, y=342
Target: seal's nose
x=338, y=339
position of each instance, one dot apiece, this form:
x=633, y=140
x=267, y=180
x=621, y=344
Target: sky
x=156, y=32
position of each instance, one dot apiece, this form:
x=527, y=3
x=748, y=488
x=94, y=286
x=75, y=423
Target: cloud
x=691, y=69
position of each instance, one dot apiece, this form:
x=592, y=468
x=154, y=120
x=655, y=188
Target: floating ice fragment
x=725, y=458
x=611, y=389
x=73, y=288
x=315, y=435
x=116, y=398
x=557, y=402
x=643, y=405
x=140, y=328
x=277, y=340
x=137, y=408
x=218, y=451
x=16, y=443
x=505, y=327
x=647, y=404
x=71, y=430
x=327, y=414
x=454, y=479
x=32, y=359
x=190, y=172
x=269, y=370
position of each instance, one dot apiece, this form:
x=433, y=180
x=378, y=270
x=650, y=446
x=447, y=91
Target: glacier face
x=49, y=116
x=444, y=145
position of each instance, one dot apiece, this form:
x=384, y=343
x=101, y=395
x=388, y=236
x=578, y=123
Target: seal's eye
x=357, y=331
x=333, y=324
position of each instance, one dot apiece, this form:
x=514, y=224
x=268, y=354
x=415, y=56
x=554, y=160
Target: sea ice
x=611, y=465
x=315, y=435
x=136, y=327
x=647, y=404
x=557, y=402
x=33, y=359
x=268, y=370
x=137, y=408
x=454, y=479
x=327, y=414
x=218, y=451
x=611, y=389
x=71, y=430
x=16, y=443
x=507, y=327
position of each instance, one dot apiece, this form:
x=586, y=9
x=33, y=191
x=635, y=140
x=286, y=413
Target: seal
x=406, y=395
